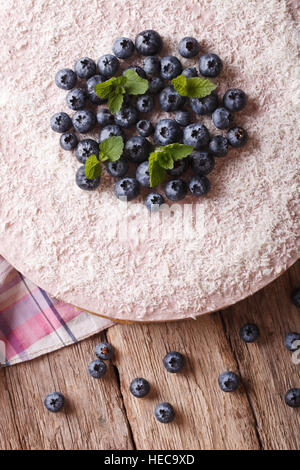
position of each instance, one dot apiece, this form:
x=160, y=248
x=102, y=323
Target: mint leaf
x=165, y=160
x=111, y=148
x=179, y=151
x=180, y=85
x=115, y=101
x=199, y=87
x=104, y=89
x=135, y=85
x=157, y=173
x=92, y=168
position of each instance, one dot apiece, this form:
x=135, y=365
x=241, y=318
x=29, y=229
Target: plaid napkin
x=32, y=323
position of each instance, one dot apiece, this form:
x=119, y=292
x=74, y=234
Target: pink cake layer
x=63, y=238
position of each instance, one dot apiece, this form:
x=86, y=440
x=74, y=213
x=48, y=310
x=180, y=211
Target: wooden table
x=101, y=414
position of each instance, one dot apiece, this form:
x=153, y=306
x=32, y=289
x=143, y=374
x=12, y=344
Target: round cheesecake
x=114, y=258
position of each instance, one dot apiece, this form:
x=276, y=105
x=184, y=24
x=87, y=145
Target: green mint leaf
x=114, y=84
x=115, y=101
x=92, y=168
x=135, y=85
x=157, y=173
x=178, y=151
x=165, y=160
x=180, y=85
x=111, y=148
x=199, y=87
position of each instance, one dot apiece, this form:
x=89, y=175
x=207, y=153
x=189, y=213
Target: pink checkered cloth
x=32, y=323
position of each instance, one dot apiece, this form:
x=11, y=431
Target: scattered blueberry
x=75, y=99
x=141, y=72
x=228, y=381
x=127, y=189
x=54, y=402
x=175, y=190
x=104, y=351
x=174, y=362
x=205, y=105
x=117, y=169
x=90, y=89
x=292, y=397
x=85, y=68
x=170, y=100
x=110, y=131
x=290, y=341
x=295, y=297
x=148, y=42
x=97, y=369
x=190, y=72
x=196, y=135
x=145, y=103
x=218, y=146
x=180, y=167
x=202, y=162
x=108, y=65
x=123, y=48
x=66, y=79
x=126, y=117
x=84, y=121
x=68, y=141
x=164, y=412
x=156, y=84
x=199, y=185
x=139, y=387
x=143, y=175
x=249, y=333
x=188, y=47
x=170, y=67
x=237, y=137
x=83, y=182
x=183, y=118
x=153, y=202
x=152, y=65
x=210, y=65
x=137, y=149
x=167, y=132
x=234, y=99
x=221, y=118
x=85, y=149
x=105, y=117
x=60, y=122
x=144, y=128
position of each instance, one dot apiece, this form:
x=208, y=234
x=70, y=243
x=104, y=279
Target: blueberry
x=148, y=42
x=66, y=79
x=156, y=84
x=174, y=362
x=167, y=132
x=54, y=402
x=141, y=72
x=188, y=47
x=170, y=100
x=139, y=387
x=104, y=351
x=292, y=341
x=137, y=149
x=221, y=118
x=68, y=141
x=84, y=121
x=108, y=65
x=218, y=146
x=123, y=48
x=295, y=297
x=127, y=189
x=228, y=381
x=85, y=68
x=249, y=333
x=85, y=149
x=143, y=175
x=164, y=412
x=60, y=122
x=144, y=128
x=83, y=182
x=170, y=67
x=110, y=131
x=117, y=169
x=196, y=135
x=210, y=65
x=97, y=369
x=152, y=65
x=90, y=89
x=105, y=117
x=202, y=162
x=180, y=167
x=199, y=185
x=205, y=105
x=75, y=99
x=153, y=201
x=126, y=117
x=145, y=103
x=176, y=190
x=234, y=99
x=292, y=397
x=190, y=72
x=183, y=118
x=237, y=136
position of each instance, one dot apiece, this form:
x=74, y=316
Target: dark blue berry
x=190, y=72
x=292, y=397
x=66, y=79
x=110, y=131
x=180, y=167
x=137, y=149
x=117, y=169
x=234, y=99
x=141, y=72
x=167, y=131
x=148, y=42
x=196, y=135
x=175, y=190
x=202, y=162
x=210, y=65
x=188, y=47
x=151, y=65
x=90, y=89
x=221, y=118
x=97, y=369
x=170, y=67
x=108, y=65
x=85, y=68
x=199, y=185
x=249, y=333
x=205, y=105
x=139, y=387
x=127, y=189
x=156, y=84
x=143, y=175
x=292, y=341
x=68, y=141
x=218, y=146
x=84, y=121
x=153, y=202
x=295, y=297
x=105, y=117
x=83, y=182
x=54, y=402
x=174, y=362
x=144, y=128
x=164, y=412
x=228, y=381
x=75, y=99
x=127, y=116
x=183, y=118
x=170, y=100
x=123, y=48
x=104, y=351
x=237, y=137
x=60, y=122
x=85, y=149
x=145, y=103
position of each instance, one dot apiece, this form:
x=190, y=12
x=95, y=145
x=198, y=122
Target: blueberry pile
x=132, y=170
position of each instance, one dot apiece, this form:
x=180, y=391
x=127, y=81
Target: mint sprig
x=115, y=88
x=195, y=87
x=163, y=159
x=110, y=149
